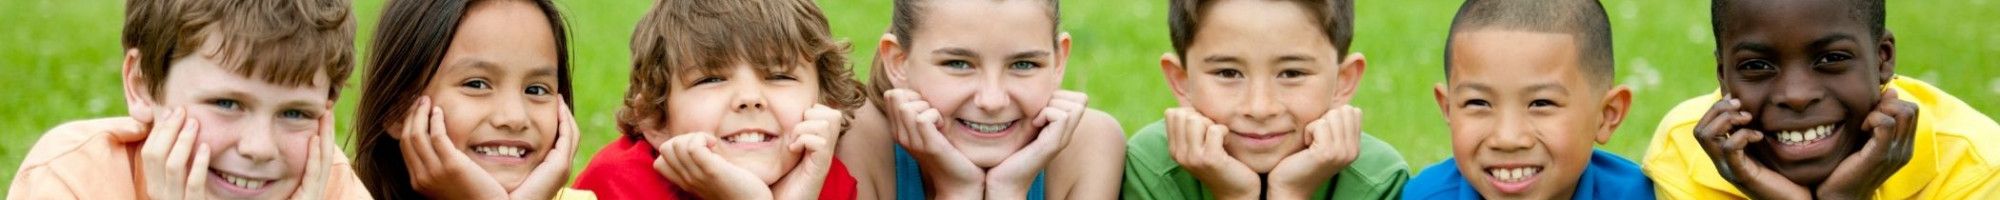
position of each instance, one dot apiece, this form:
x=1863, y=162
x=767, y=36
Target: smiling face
x=1264, y=69
x=1808, y=72
x=497, y=87
x=257, y=131
x=989, y=67
x=1522, y=114
x=752, y=108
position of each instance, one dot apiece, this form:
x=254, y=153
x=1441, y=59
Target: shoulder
x=1379, y=160
x=94, y=136
x=1146, y=151
x=1617, y=176
x=1672, y=146
x=1438, y=181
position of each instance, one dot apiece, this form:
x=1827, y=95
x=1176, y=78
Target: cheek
x=295, y=152
x=790, y=104
x=548, y=123
x=693, y=112
x=461, y=117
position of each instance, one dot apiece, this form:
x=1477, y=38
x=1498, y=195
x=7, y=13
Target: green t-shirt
x=1151, y=173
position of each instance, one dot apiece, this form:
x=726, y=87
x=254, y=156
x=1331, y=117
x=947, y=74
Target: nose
x=1797, y=91
x=748, y=98
x=1516, y=133
x=255, y=141
x=990, y=97
x=511, y=115
x=1262, y=106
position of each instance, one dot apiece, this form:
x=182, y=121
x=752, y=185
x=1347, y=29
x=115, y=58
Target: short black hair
x=1335, y=17
x=1868, y=11
x=1584, y=19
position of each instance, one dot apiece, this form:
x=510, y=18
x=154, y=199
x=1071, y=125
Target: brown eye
x=1227, y=73
x=1476, y=103
x=476, y=84
x=1832, y=58
x=537, y=90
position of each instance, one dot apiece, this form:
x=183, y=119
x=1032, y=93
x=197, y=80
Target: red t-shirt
x=624, y=170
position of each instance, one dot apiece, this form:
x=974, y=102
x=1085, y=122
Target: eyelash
x=476, y=84
x=537, y=90
x=1227, y=73
x=226, y=104
x=1025, y=65
x=957, y=64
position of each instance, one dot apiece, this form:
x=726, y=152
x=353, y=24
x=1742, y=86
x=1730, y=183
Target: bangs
x=711, y=38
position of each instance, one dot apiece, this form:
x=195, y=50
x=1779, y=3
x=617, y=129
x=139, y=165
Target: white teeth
x=243, y=182
x=985, y=127
x=507, y=151
x=747, y=137
x=1805, y=136
x=1514, y=174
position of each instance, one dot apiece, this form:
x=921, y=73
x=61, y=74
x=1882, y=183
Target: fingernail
x=1734, y=102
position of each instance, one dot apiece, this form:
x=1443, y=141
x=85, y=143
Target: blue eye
x=226, y=104
x=957, y=64
x=294, y=114
x=1025, y=65
x=476, y=84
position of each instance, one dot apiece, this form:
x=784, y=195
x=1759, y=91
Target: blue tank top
x=910, y=180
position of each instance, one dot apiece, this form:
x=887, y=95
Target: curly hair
x=691, y=36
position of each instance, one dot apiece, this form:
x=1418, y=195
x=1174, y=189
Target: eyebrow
x=1476, y=87
x=1292, y=58
x=956, y=52
x=1028, y=55
x=544, y=71
x=475, y=64
x=1558, y=88
x=1822, y=42
x=1221, y=59
x=1752, y=46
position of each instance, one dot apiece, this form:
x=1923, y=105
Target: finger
x=419, y=138
x=159, y=142
x=197, y=178
x=1214, y=138
x=1742, y=139
x=183, y=147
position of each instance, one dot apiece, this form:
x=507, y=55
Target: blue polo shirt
x=1607, y=177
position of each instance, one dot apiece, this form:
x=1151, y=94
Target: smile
x=990, y=130
x=1807, y=136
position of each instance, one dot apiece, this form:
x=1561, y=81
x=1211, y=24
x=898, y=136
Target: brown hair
x=903, y=24
x=287, y=43
x=1582, y=19
x=409, y=45
x=684, y=36
x=1336, y=20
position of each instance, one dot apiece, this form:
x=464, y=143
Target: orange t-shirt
x=82, y=160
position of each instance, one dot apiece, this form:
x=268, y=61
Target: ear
x=1176, y=75
x=1438, y=92
x=652, y=130
x=139, y=100
x=1062, y=54
x=1617, y=103
x=1887, y=52
x=1349, y=76
x=892, y=55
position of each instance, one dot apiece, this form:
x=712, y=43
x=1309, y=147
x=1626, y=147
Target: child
x=1264, y=113
x=1529, y=86
x=973, y=89
x=1811, y=107
x=226, y=100
x=730, y=100
x=498, y=73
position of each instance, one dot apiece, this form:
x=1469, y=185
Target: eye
x=537, y=90
x=1024, y=65
x=226, y=104
x=957, y=64
x=1227, y=73
x=1541, y=103
x=1291, y=74
x=294, y=114
x=1831, y=58
x=707, y=80
x=782, y=76
x=1756, y=65
x=476, y=84
x=1476, y=103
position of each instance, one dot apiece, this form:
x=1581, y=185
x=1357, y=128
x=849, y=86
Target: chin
x=986, y=156
x=1262, y=163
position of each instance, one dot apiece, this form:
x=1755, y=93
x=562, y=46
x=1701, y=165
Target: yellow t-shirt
x=1948, y=161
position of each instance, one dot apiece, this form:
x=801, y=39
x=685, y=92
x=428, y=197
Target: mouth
x=503, y=151
x=237, y=185
x=1513, y=179
x=1803, y=144
x=987, y=130
x=1262, y=139
x=750, y=138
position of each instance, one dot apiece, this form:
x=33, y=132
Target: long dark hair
x=409, y=44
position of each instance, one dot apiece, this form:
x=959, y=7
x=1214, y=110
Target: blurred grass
x=63, y=55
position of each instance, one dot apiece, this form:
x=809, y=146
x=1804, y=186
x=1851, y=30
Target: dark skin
x=1792, y=66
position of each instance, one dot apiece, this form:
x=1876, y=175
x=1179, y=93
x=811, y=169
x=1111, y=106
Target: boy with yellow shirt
x=226, y=100
x=1810, y=107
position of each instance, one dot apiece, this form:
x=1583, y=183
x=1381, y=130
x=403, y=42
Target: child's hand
x=949, y=174
x=1196, y=143
x=1725, y=149
x=320, y=155
x=1058, y=121
x=168, y=171
x=437, y=168
x=1335, y=142
x=548, y=177
x=810, y=140
x=1893, y=127
x=689, y=161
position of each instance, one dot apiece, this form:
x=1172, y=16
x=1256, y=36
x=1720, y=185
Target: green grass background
x=60, y=61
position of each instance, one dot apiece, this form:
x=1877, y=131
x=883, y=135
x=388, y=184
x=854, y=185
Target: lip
x=1262, y=139
x=1808, y=150
x=523, y=145
x=1514, y=187
x=219, y=181
x=772, y=140
x=1003, y=132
